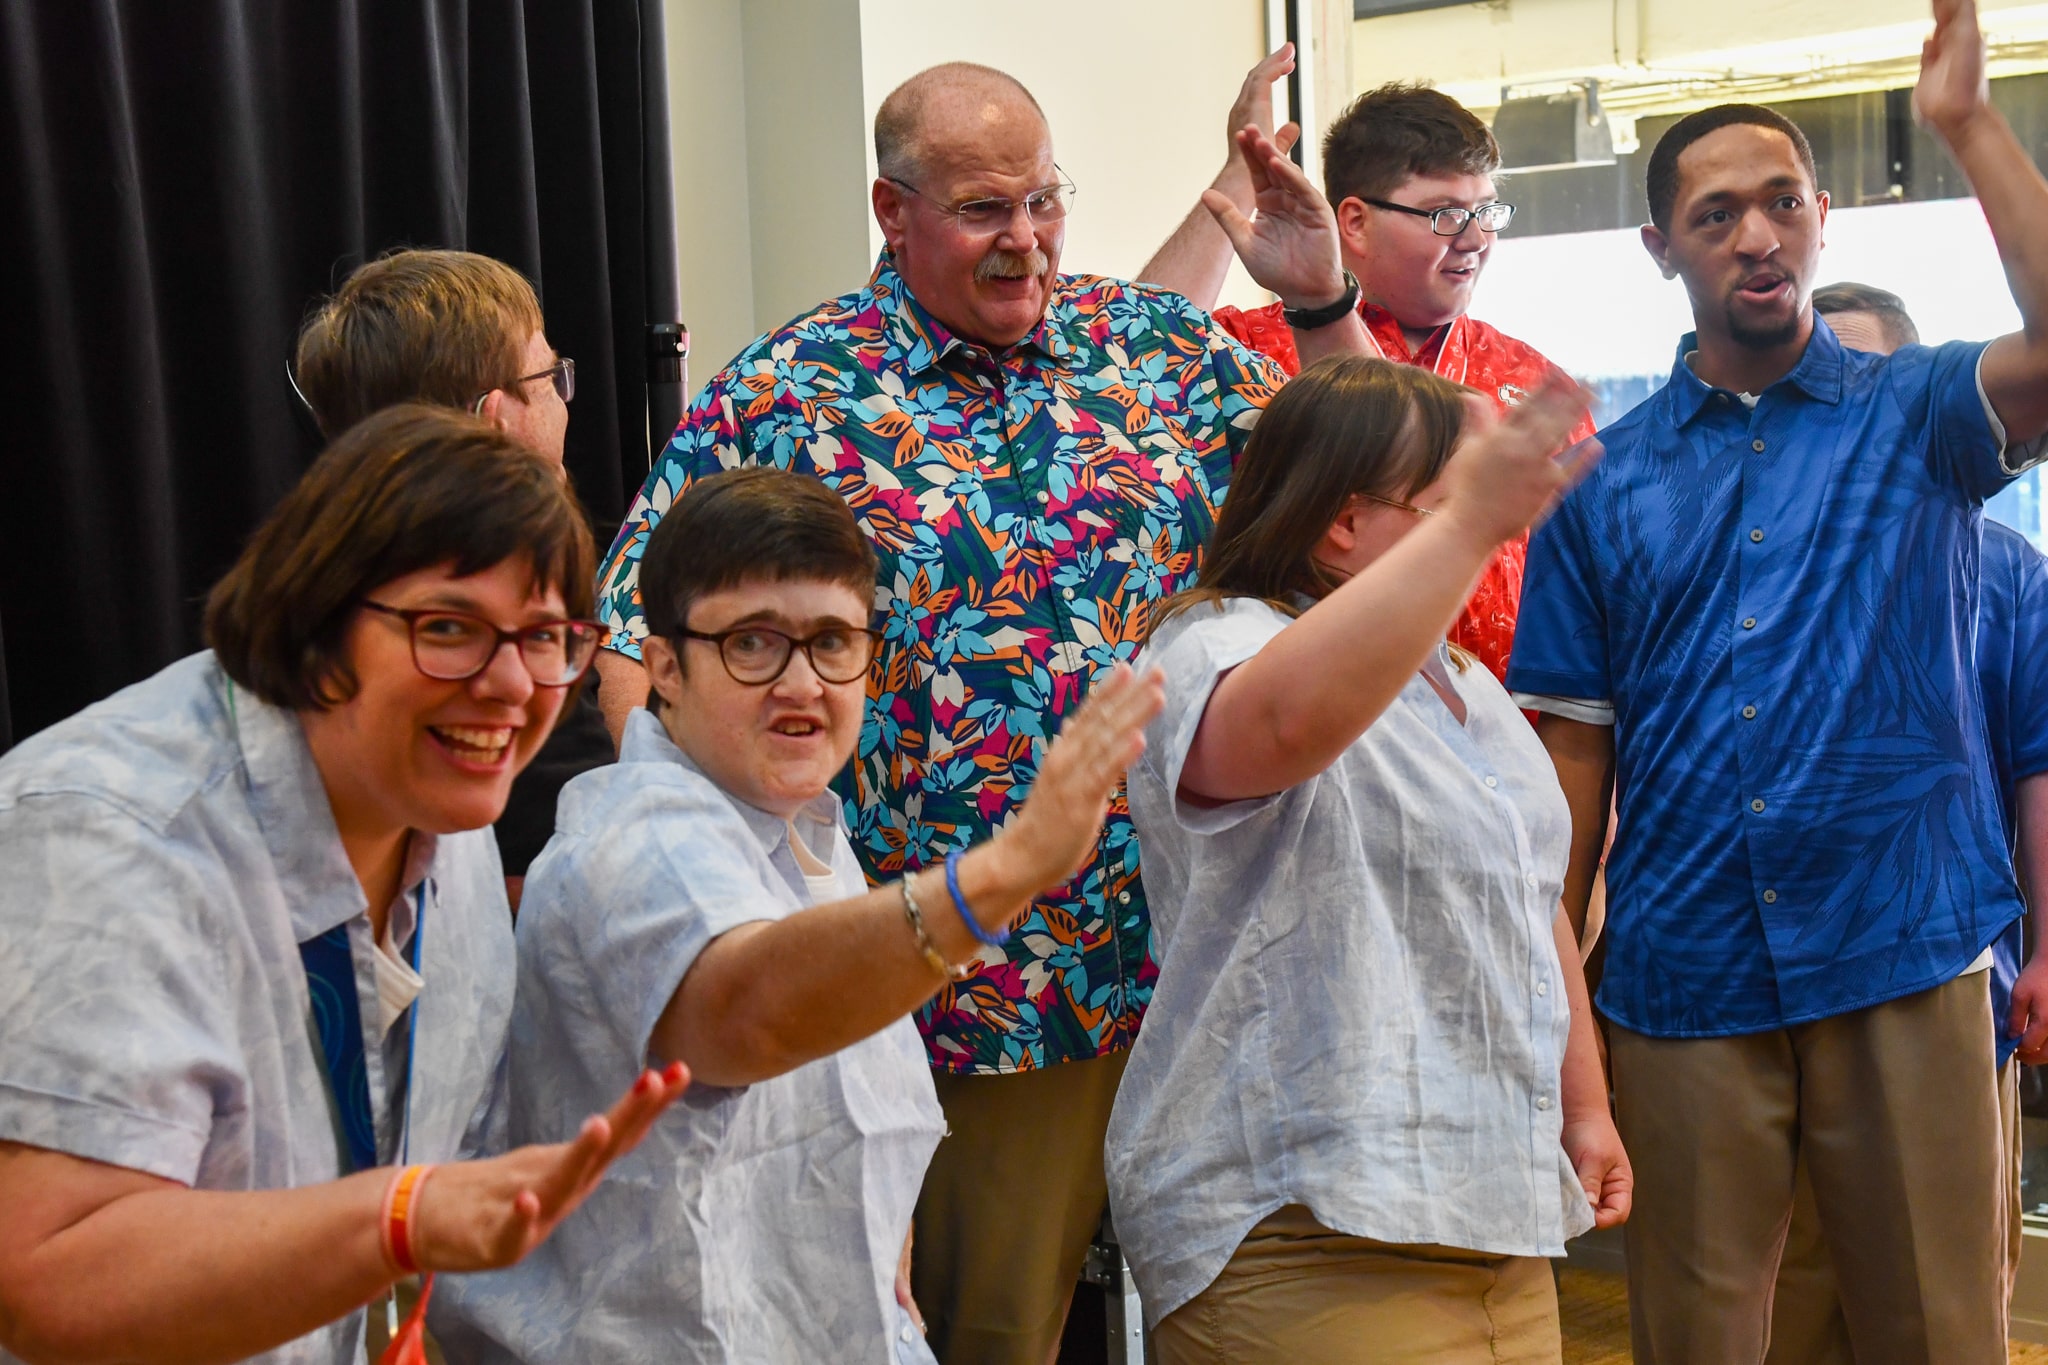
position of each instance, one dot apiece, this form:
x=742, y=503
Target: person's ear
x=891, y=205
x=664, y=668
x=1341, y=536
x=1659, y=247
x=1354, y=228
x=490, y=407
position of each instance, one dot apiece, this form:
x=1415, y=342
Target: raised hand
x=1290, y=244
x=487, y=1214
x=1953, y=86
x=1057, y=827
x=1253, y=107
x=1507, y=472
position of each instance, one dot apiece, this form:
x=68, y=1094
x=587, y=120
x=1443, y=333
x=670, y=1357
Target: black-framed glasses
x=758, y=655
x=1450, y=220
x=453, y=646
x=986, y=217
x=562, y=374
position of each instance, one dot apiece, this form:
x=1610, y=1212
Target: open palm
x=1290, y=245
x=1953, y=85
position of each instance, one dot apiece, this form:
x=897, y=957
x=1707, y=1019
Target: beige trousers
x=1895, y=1109
x=1014, y=1195
x=1807, y=1326
x=1296, y=1292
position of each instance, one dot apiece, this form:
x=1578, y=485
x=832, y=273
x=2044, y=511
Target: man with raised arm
x=1757, y=617
x=1410, y=173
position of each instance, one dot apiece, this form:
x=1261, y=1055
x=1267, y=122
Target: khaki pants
x=1895, y=1109
x=1014, y=1195
x=1807, y=1327
x=1296, y=1292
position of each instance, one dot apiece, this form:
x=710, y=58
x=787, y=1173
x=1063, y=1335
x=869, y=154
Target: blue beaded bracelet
x=960, y=904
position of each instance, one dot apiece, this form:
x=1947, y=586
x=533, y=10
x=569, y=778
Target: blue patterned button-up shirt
x=1780, y=602
x=1031, y=508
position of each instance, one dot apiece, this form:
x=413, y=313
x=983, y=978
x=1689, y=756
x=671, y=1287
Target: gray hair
x=900, y=122
x=1888, y=308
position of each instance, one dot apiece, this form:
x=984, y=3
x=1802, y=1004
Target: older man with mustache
x=1038, y=460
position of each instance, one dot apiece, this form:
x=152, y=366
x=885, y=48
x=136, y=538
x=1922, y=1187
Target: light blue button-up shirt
x=165, y=852
x=754, y=1224
x=1359, y=1006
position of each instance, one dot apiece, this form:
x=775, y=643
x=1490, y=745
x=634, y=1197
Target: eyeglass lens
x=452, y=647
x=1451, y=220
x=760, y=656
x=993, y=215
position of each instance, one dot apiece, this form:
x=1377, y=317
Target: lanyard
x=338, y=1023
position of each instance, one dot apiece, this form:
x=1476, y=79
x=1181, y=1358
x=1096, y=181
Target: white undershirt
x=819, y=878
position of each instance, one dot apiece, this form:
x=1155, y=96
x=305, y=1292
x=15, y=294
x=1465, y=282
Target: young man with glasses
x=1037, y=459
x=1409, y=173
x=701, y=902
x=458, y=330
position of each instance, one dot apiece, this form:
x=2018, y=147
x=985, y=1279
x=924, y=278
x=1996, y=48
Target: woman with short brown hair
x=1366, y=1097
x=259, y=963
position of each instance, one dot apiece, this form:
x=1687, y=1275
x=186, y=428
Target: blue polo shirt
x=2012, y=660
x=1780, y=602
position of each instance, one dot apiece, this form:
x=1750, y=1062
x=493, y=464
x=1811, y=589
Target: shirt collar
x=1818, y=374
x=291, y=808
x=916, y=341
x=646, y=740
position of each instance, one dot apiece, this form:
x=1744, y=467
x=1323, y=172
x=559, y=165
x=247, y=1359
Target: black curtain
x=179, y=182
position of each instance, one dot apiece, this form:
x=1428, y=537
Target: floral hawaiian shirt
x=1466, y=351
x=1030, y=507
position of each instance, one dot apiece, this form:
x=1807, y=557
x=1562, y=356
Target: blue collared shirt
x=165, y=852
x=2012, y=660
x=1780, y=602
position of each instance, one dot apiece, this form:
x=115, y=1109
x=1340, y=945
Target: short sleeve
x=1264, y=330
x=1937, y=387
x=638, y=902
x=710, y=438
x=117, y=1036
x=1561, y=634
x=1195, y=651
x=2027, y=708
x=1239, y=384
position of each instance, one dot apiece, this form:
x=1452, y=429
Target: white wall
x=1136, y=92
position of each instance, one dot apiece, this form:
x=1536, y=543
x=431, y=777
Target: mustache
x=1003, y=264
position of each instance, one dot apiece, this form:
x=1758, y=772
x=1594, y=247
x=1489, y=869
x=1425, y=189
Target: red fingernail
x=644, y=1084
x=674, y=1074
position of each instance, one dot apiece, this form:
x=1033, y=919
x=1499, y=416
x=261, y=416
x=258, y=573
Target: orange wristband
x=401, y=1199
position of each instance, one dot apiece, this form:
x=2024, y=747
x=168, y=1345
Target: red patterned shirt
x=1468, y=352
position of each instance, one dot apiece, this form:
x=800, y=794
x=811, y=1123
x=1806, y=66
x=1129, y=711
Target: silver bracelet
x=914, y=913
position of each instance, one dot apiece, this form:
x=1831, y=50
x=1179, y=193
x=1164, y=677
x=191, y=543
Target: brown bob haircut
x=1400, y=130
x=1346, y=425
x=409, y=488
x=441, y=327
x=749, y=525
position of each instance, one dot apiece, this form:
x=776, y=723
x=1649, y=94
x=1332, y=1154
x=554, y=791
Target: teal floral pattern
x=1031, y=507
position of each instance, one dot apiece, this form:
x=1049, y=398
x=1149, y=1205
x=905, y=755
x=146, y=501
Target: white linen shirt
x=165, y=852
x=1358, y=1005
x=754, y=1224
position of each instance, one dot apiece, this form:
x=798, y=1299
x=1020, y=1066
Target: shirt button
x=1123, y=898
x=1749, y=713
x=1757, y=535
x=1543, y=988
x=1757, y=445
x=1529, y=878
x=1757, y=805
x=1749, y=623
x=1492, y=781
x=1067, y=593
x=1770, y=898
x=1045, y=497
x=1543, y=1101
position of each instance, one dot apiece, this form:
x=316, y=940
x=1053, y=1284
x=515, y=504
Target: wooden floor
x=1594, y=1308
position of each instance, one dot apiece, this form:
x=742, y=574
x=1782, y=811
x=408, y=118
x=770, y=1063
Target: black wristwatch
x=1308, y=319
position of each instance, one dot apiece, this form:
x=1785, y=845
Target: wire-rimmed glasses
x=986, y=217
x=454, y=646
